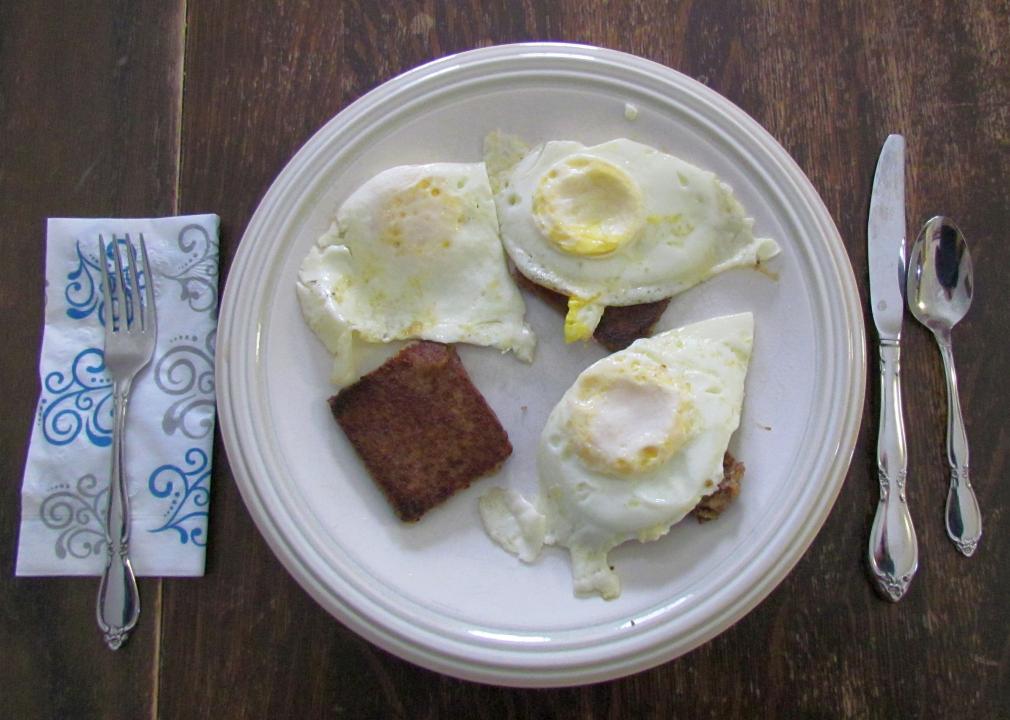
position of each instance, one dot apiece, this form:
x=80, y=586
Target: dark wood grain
x=89, y=108
x=829, y=80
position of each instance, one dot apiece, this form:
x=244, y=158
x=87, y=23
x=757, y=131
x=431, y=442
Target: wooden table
x=112, y=109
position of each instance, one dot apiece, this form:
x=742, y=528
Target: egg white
x=413, y=253
x=589, y=507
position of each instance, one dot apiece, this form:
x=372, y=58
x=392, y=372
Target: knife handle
x=893, y=551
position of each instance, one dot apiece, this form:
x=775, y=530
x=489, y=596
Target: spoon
x=939, y=288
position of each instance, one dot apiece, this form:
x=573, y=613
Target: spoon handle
x=894, y=550
x=964, y=519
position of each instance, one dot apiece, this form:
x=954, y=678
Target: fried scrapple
x=422, y=429
x=711, y=506
x=620, y=325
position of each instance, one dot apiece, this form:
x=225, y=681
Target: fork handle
x=964, y=519
x=118, y=598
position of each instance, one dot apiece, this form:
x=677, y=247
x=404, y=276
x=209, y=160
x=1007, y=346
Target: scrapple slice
x=421, y=427
x=620, y=325
x=713, y=505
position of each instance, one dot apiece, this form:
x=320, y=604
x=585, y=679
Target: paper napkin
x=170, y=425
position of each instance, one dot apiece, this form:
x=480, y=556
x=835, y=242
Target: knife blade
x=886, y=239
x=893, y=549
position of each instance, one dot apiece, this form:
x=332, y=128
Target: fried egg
x=619, y=223
x=630, y=449
x=413, y=253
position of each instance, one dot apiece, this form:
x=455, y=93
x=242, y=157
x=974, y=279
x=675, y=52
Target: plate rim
x=551, y=673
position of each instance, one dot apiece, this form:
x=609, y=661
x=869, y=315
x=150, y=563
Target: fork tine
x=126, y=294
x=150, y=316
x=106, y=292
x=138, y=309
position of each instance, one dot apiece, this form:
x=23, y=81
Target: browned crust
x=711, y=506
x=620, y=325
x=422, y=429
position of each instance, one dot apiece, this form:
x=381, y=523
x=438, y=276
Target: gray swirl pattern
x=196, y=276
x=77, y=514
x=186, y=371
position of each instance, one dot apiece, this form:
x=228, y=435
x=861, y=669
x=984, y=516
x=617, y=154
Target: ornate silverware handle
x=118, y=599
x=893, y=551
x=964, y=519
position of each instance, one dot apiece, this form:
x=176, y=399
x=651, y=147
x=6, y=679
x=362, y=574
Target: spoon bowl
x=938, y=290
x=939, y=282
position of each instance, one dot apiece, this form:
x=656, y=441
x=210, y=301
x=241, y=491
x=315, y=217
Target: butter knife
x=893, y=551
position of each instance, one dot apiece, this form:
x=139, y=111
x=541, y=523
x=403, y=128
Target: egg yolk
x=588, y=207
x=582, y=318
x=631, y=422
x=421, y=218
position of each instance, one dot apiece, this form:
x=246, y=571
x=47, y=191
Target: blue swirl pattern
x=81, y=400
x=83, y=292
x=189, y=489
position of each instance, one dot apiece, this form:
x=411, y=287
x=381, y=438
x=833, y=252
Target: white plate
x=439, y=593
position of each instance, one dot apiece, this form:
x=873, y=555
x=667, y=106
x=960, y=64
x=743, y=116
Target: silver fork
x=130, y=332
